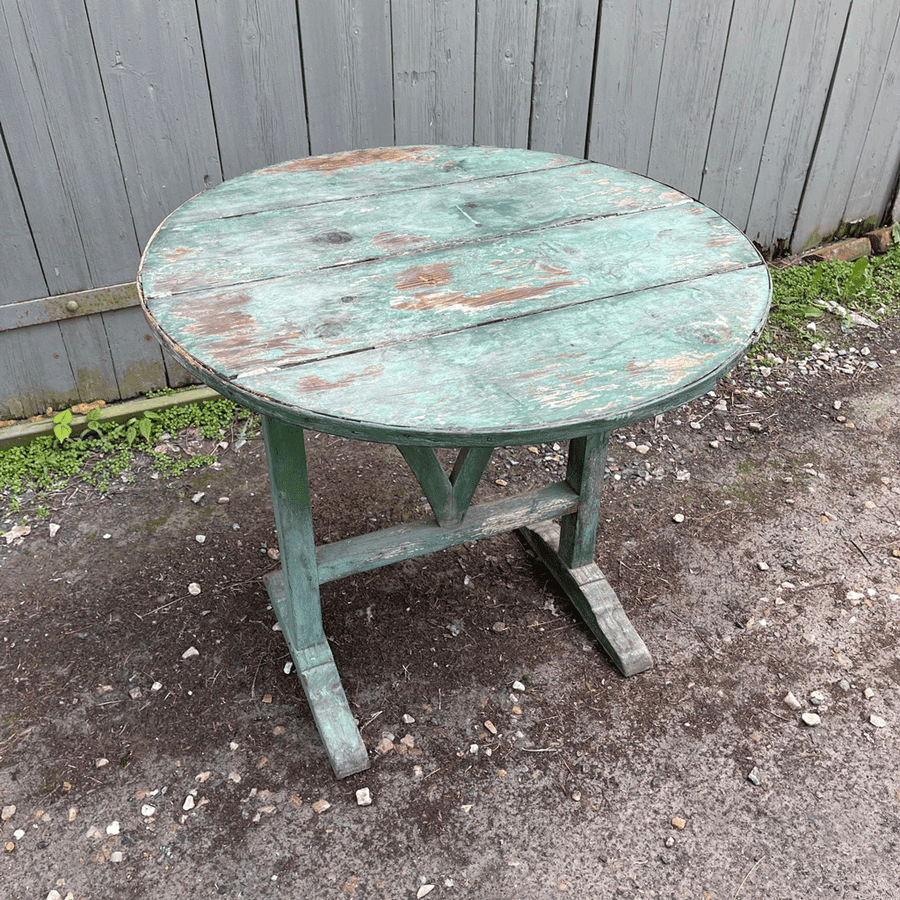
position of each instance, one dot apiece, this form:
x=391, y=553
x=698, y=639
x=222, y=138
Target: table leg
x=294, y=592
x=568, y=551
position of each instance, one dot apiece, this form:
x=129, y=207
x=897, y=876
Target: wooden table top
x=453, y=296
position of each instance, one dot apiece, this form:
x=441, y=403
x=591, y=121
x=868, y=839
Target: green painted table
x=449, y=297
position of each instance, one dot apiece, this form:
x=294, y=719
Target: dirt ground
x=515, y=761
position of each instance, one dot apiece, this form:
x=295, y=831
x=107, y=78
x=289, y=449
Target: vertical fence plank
x=810, y=57
x=90, y=358
x=58, y=133
x=563, y=66
x=626, y=81
x=252, y=54
x=151, y=63
x=136, y=354
x=504, y=62
x=756, y=43
x=21, y=277
x=692, y=64
x=434, y=71
x=347, y=67
x=879, y=160
x=34, y=372
x=869, y=34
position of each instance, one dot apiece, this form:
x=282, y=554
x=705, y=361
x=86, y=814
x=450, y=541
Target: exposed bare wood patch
x=337, y=161
x=391, y=240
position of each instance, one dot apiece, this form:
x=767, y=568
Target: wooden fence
x=780, y=114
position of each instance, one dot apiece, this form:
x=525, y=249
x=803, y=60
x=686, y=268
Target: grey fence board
x=434, y=80
x=54, y=120
x=504, y=57
x=136, y=354
x=151, y=64
x=876, y=172
x=34, y=371
x=869, y=35
x=806, y=71
x=21, y=277
x=347, y=61
x=87, y=346
x=692, y=65
x=255, y=76
x=756, y=41
x=563, y=70
x=630, y=47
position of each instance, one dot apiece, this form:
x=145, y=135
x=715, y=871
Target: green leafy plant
x=62, y=427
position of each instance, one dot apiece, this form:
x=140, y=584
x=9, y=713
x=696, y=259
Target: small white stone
x=189, y=803
x=8, y=812
x=116, y=856
x=190, y=652
x=198, y=496
x=53, y=529
x=868, y=693
x=408, y=719
x=762, y=566
x=854, y=596
x=424, y=891
x=518, y=686
x=107, y=536
x=643, y=449
x=877, y=721
x=156, y=686
x=363, y=797
x=791, y=701
x=287, y=668
x=112, y=828
x=200, y=538
x=678, y=518
x=194, y=588
x=147, y=810
x=811, y=719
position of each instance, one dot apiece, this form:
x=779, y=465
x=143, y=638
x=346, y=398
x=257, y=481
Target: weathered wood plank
x=68, y=306
x=87, y=347
x=797, y=111
x=359, y=174
x=347, y=68
x=876, y=173
x=252, y=53
x=854, y=94
x=57, y=131
x=689, y=84
x=390, y=545
x=584, y=474
x=245, y=248
x=504, y=60
x=433, y=51
x=281, y=322
x=594, y=599
x=626, y=81
x=136, y=354
x=559, y=374
x=151, y=62
x=23, y=278
x=563, y=66
x=756, y=42
x=34, y=372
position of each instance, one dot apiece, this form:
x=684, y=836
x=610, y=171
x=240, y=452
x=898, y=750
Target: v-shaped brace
x=449, y=496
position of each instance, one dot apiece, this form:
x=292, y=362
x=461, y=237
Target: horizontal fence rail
x=782, y=115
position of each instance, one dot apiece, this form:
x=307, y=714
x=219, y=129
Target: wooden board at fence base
x=448, y=297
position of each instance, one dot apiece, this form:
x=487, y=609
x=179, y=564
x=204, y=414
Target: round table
x=449, y=297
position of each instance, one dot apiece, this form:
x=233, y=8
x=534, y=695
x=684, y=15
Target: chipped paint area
x=391, y=240
x=177, y=254
x=335, y=162
x=308, y=384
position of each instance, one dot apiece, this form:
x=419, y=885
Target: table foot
x=593, y=597
x=322, y=686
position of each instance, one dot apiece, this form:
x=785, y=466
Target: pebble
x=670, y=841
x=408, y=719
x=424, y=891
x=753, y=776
x=811, y=719
x=112, y=828
x=198, y=496
x=147, y=810
x=877, y=721
x=200, y=538
x=223, y=500
x=53, y=529
x=762, y=566
x=491, y=727
x=8, y=812
x=190, y=652
x=194, y=588
x=518, y=686
x=791, y=701
x=363, y=797
x=868, y=693
x=679, y=823
x=817, y=698
x=321, y=805
x=678, y=518
x=189, y=803
x=755, y=427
